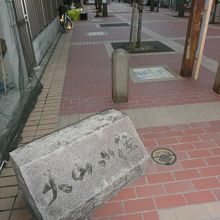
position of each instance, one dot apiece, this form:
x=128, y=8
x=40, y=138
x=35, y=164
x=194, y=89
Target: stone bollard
x=120, y=76
x=216, y=86
x=68, y=173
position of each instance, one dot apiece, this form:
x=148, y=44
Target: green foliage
x=74, y=14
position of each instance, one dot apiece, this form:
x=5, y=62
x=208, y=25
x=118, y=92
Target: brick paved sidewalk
x=178, y=114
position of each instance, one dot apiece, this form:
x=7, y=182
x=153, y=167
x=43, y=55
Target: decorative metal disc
x=163, y=156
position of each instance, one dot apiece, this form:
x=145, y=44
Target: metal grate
x=146, y=47
x=163, y=156
x=115, y=25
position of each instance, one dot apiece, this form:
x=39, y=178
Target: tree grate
x=146, y=47
x=115, y=25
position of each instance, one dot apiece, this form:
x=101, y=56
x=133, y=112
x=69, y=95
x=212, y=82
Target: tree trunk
x=96, y=4
x=214, y=13
x=140, y=7
x=181, y=8
x=152, y=5
x=134, y=25
x=158, y=4
x=100, y=5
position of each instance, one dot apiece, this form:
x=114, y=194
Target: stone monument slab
x=68, y=173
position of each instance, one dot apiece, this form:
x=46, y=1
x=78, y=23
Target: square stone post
x=120, y=76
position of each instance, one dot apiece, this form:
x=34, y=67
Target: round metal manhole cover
x=163, y=156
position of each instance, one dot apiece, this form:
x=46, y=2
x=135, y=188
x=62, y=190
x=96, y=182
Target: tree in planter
x=152, y=5
x=136, y=25
x=98, y=5
x=140, y=10
x=214, y=13
x=181, y=8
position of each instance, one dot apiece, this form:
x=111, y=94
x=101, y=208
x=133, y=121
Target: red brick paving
x=190, y=181
x=89, y=68
x=164, y=28
x=195, y=177
x=85, y=88
x=210, y=48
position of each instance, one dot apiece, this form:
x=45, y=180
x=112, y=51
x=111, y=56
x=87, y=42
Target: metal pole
x=202, y=38
x=216, y=87
x=214, y=13
x=158, y=4
x=3, y=69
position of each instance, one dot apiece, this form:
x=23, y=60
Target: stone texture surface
x=68, y=173
x=120, y=76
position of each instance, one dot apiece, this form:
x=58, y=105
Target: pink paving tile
x=181, y=155
x=199, y=197
x=193, y=131
x=159, y=178
x=139, y=205
x=128, y=217
x=149, y=144
x=140, y=181
x=188, y=139
x=182, y=147
x=204, y=144
x=195, y=163
x=164, y=29
x=186, y=174
x=152, y=135
x=167, y=141
x=206, y=183
x=173, y=167
x=151, y=216
x=213, y=31
x=169, y=201
x=213, y=160
x=150, y=190
x=215, y=151
x=199, y=153
x=212, y=129
x=178, y=187
x=173, y=133
x=217, y=193
x=109, y=209
x=210, y=136
x=210, y=171
x=217, y=142
x=215, y=123
x=127, y=193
